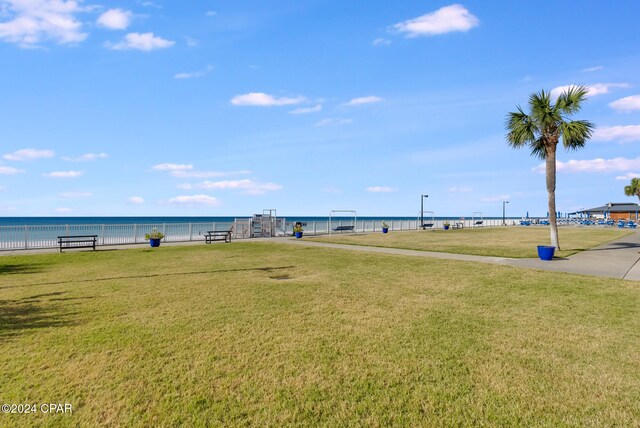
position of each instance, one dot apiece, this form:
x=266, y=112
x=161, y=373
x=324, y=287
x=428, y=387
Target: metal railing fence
x=46, y=236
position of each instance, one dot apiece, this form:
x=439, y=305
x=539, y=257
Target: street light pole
x=504, y=223
x=422, y=210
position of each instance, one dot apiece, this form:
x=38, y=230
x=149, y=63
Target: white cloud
x=86, y=157
x=63, y=174
x=172, y=167
x=444, y=20
x=326, y=122
x=380, y=189
x=135, y=200
x=264, y=100
x=32, y=22
x=247, y=186
x=620, y=133
x=142, y=42
x=29, y=154
x=74, y=195
x=460, y=189
x=195, y=74
x=211, y=13
x=194, y=200
x=592, y=90
x=364, y=100
x=63, y=210
x=306, y=110
x=381, y=42
x=7, y=170
x=628, y=176
x=626, y=103
x=592, y=69
x=594, y=165
x=115, y=19
x=205, y=174
x=495, y=198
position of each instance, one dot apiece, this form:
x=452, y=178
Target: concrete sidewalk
x=617, y=259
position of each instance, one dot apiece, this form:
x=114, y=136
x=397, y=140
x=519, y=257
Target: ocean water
x=43, y=232
x=39, y=221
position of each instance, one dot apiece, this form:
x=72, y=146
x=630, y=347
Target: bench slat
x=77, y=241
x=217, y=235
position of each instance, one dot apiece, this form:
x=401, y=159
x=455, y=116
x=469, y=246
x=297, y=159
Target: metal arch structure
x=355, y=218
x=425, y=217
x=475, y=218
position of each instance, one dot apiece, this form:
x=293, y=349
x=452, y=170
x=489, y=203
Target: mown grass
x=515, y=242
x=266, y=335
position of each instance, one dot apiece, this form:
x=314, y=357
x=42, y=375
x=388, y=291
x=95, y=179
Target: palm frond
x=576, y=133
x=539, y=148
x=521, y=128
x=570, y=101
x=543, y=112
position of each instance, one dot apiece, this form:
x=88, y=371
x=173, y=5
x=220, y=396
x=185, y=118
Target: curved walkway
x=617, y=259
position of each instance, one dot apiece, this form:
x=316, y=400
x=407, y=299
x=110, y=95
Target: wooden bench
x=427, y=226
x=458, y=226
x=343, y=229
x=217, y=235
x=77, y=241
x=478, y=223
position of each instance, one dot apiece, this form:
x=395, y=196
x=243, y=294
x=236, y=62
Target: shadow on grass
x=14, y=269
x=40, y=311
x=617, y=246
x=268, y=269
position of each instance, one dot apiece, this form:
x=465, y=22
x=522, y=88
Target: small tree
x=543, y=127
x=633, y=189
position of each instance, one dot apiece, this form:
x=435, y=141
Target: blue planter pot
x=446, y=227
x=154, y=242
x=545, y=252
x=385, y=230
x=298, y=235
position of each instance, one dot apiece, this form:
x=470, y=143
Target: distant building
x=613, y=210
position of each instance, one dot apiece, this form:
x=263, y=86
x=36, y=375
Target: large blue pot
x=154, y=242
x=385, y=230
x=298, y=235
x=545, y=252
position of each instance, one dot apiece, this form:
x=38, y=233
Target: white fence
x=46, y=236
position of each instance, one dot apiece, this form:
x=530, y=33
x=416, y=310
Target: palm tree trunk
x=551, y=190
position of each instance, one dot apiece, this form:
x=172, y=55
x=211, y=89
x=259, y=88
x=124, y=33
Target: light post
x=422, y=210
x=504, y=203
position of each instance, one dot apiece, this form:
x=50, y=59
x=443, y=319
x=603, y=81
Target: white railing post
x=135, y=233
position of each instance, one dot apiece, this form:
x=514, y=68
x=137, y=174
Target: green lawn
x=514, y=242
x=264, y=334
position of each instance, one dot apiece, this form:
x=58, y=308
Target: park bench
x=427, y=226
x=478, y=223
x=458, y=226
x=343, y=229
x=217, y=235
x=77, y=241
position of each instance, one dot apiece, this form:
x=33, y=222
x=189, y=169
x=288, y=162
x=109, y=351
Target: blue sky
x=226, y=108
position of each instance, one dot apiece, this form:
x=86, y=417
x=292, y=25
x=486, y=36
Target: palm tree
x=543, y=128
x=633, y=189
